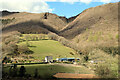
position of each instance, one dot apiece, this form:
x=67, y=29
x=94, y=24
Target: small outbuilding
x=67, y=59
x=48, y=59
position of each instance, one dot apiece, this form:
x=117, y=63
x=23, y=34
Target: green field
x=53, y=48
x=48, y=70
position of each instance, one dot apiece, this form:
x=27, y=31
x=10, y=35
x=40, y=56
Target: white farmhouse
x=48, y=59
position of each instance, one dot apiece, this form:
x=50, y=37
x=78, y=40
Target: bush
x=53, y=36
x=110, y=50
x=13, y=38
x=104, y=71
x=36, y=73
x=27, y=37
x=22, y=71
x=86, y=58
x=6, y=60
x=10, y=49
x=6, y=21
x=13, y=71
x=23, y=48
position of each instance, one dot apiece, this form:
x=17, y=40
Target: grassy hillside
x=44, y=48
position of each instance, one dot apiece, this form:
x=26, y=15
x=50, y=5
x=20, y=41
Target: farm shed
x=48, y=59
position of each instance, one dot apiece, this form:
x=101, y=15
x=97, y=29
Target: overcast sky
x=66, y=8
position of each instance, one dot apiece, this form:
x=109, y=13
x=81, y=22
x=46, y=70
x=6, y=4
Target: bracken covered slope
x=33, y=23
x=101, y=17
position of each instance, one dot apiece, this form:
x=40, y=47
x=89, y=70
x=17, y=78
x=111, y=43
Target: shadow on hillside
x=76, y=28
x=32, y=46
x=30, y=27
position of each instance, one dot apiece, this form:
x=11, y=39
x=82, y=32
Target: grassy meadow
x=44, y=48
x=48, y=70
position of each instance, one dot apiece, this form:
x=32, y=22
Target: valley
x=44, y=44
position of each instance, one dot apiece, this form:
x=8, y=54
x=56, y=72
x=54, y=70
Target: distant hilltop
x=5, y=12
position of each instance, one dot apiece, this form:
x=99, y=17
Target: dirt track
x=71, y=75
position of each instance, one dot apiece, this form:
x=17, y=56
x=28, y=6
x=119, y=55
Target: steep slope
x=96, y=25
x=102, y=17
x=68, y=20
x=30, y=22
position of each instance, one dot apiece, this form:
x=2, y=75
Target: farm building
x=67, y=59
x=96, y=61
x=48, y=59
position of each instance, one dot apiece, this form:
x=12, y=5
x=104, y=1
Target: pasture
x=48, y=70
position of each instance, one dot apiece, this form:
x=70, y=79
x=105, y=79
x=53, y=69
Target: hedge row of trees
x=6, y=21
x=35, y=37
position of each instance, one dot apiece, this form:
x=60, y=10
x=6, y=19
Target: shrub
x=13, y=38
x=23, y=48
x=95, y=37
x=110, y=36
x=40, y=37
x=27, y=37
x=6, y=60
x=104, y=71
x=13, y=71
x=117, y=36
x=6, y=21
x=53, y=36
x=77, y=40
x=36, y=73
x=22, y=71
x=110, y=50
x=11, y=48
x=86, y=58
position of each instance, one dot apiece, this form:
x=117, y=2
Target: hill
x=94, y=26
x=33, y=23
x=100, y=15
x=5, y=13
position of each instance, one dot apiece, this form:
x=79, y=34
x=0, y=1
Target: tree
x=103, y=71
x=86, y=58
x=13, y=71
x=6, y=60
x=40, y=37
x=27, y=38
x=24, y=49
x=22, y=71
x=11, y=48
x=43, y=36
x=36, y=73
x=45, y=16
x=53, y=36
